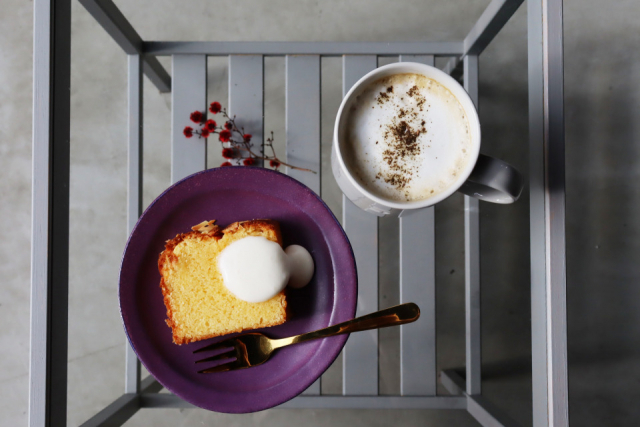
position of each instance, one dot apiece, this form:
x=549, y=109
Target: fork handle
x=397, y=315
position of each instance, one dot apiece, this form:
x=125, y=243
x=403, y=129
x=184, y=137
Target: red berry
x=274, y=164
x=197, y=117
x=226, y=164
x=211, y=125
x=247, y=137
x=228, y=125
x=225, y=136
x=227, y=153
x=204, y=132
x=249, y=161
x=188, y=131
x=215, y=107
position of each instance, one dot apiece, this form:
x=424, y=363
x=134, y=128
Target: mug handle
x=493, y=180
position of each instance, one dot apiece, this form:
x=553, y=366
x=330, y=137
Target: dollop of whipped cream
x=255, y=269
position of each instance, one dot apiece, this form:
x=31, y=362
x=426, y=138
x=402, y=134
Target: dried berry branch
x=233, y=140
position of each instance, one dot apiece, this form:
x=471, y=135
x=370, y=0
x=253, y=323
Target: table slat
x=303, y=128
x=189, y=94
x=472, y=257
x=303, y=118
x=418, y=285
x=134, y=193
x=246, y=97
x=360, y=357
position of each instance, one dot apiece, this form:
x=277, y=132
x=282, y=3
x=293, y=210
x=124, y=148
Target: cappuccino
x=407, y=138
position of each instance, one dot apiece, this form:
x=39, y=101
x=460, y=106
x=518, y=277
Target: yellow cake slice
x=199, y=306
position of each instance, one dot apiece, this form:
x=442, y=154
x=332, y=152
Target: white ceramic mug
x=483, y=177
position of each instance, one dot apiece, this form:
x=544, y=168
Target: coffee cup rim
x=461, y=95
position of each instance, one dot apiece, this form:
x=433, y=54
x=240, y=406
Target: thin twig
x=244, y=144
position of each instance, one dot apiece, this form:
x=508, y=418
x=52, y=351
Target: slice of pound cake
x=199, y=305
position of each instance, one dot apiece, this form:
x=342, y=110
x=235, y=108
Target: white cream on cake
x=408, y=138
x=255, y=269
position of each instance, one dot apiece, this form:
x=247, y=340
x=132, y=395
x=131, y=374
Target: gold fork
x=254, y=348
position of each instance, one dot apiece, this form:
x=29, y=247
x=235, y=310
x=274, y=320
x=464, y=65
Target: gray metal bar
x=188, y=155
x=332, y=402
x=116, y=25
x=164, y=400
x=124, y=407
x=135, y=146
x=246, y=96
x=156, y=74
x=376, y=402
x=423, y=59
x=453, y=67
x=117, y=413
x=418, y=285
x=472, y=257
x=360, y=354
x=150, y=385
x=485, y=412
x=452, y=64
x=50, y=214
x=303, y=48
x=303, y=128
x=494, y=17
x=453, y=382
x=547, y=214
x=134, y=193
x=537, y=220
x=303, y=118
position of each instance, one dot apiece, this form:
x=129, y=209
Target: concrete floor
x=602, y=76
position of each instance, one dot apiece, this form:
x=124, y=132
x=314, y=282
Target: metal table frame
x=50, y=238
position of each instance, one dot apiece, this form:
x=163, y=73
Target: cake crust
x=169, y=259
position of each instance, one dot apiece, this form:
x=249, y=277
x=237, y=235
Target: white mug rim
x=461, y=95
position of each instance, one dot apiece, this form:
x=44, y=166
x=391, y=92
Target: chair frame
x=50, y=216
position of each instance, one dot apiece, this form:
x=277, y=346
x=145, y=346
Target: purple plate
x=234, y=194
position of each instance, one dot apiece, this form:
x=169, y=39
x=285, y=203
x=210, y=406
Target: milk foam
x=407, y=138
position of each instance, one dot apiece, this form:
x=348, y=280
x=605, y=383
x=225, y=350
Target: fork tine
x=218, y=357
x=228, y=343
x=220, y=368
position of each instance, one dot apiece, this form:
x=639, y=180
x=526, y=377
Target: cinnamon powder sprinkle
x=382, y=98
x=401, y=136
x=405, y=137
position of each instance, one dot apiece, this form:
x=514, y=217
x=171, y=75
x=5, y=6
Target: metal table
x=51, y=163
